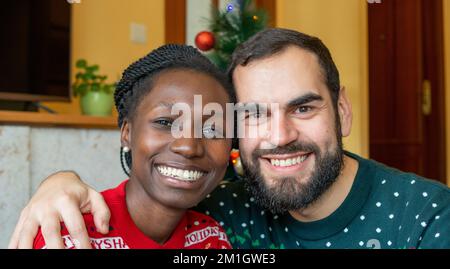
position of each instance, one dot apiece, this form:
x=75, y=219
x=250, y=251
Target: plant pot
x=96, y=103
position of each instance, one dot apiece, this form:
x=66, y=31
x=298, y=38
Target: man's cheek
x=318, y=131
x=246, y=147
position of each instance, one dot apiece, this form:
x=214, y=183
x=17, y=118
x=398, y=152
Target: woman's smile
x=180, y=175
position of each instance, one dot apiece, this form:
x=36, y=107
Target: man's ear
x=125, y=134
x=345, y=112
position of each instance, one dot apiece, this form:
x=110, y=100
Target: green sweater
x=385, y=208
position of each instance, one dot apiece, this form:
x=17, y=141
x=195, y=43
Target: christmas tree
x=229, y=28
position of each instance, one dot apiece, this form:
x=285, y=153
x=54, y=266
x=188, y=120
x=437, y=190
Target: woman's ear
x=125, y=134
x=345, y=112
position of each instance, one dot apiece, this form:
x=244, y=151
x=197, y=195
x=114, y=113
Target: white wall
x=29, y=154
x=198, y=14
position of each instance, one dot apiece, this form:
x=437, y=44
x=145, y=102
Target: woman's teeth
x=180, y=174
x=288, y=162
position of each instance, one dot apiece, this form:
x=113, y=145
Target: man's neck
x=155, y=220
x=332, y=199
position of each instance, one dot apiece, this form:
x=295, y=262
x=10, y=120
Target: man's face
x=300, y=156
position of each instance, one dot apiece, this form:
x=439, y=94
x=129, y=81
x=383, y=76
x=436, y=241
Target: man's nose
x=282, y=131
x=188, y=147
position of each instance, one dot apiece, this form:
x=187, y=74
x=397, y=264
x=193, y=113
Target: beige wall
x=447, y=77
x=342, y=26
x=101, y=35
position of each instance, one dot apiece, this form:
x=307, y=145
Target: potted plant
x=96, y=96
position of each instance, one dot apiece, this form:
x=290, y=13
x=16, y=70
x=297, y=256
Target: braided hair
x=137, y=80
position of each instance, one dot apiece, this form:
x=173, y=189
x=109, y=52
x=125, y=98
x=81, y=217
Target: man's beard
x=287, y=194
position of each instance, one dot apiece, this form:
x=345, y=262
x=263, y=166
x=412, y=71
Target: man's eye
x=256, y=115
x=303, y=109
x=164, y=122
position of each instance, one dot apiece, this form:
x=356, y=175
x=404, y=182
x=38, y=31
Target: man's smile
x=293, y=162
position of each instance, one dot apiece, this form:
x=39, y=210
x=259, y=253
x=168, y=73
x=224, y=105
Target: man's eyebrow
x=304, y=99
x=252, y=105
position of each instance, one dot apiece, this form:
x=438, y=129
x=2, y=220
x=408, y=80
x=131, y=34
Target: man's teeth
x=288, y=162
x=181, y=174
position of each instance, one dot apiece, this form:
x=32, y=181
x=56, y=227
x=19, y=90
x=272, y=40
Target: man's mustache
x=287, y=149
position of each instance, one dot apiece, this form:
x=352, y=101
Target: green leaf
x=95, y=87
x=82, y=89
x=88, y=76
x=92, y=68
x=87, y=80
x=81, y=63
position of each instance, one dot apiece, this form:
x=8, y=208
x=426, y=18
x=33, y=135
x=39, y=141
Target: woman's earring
x=126, y=149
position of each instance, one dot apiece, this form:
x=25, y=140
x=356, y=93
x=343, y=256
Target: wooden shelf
x=57, y=120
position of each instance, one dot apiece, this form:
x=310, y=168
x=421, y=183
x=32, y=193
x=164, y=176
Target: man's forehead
x=291, y=58
x=279, y=78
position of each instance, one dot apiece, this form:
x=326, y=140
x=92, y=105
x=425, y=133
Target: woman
x=167, y=175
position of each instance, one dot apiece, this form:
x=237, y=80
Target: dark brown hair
x=275, y=40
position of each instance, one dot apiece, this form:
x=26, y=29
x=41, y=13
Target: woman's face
x=176, y=172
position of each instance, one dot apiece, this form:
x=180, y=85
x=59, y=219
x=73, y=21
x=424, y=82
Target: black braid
x=137, y=80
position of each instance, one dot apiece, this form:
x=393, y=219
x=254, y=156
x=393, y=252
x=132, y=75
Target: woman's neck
x=155, y=220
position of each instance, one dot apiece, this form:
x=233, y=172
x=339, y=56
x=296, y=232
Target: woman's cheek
x=219, y=150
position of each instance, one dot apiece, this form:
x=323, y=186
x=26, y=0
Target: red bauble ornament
x=205, y=41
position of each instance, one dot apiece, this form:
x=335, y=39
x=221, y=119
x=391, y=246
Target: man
x=301, y=190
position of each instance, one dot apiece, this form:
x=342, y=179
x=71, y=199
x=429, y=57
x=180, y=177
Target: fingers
x=14, y=241
x=74, y=221
x=58, y=198
x=100, y=211
x=28, y=234
x=51, y=231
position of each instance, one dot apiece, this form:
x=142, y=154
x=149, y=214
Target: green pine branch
x=233, y=28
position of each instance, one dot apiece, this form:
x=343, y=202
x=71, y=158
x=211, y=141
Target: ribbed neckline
x=348, y=210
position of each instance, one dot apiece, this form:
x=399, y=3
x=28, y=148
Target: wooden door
x=407, y=125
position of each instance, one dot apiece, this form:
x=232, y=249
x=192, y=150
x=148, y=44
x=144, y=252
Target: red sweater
x=195, y=230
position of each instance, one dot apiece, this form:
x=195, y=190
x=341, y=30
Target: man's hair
x=137, y=80
x=272, y=41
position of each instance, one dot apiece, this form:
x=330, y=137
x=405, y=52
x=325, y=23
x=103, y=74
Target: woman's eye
x=164, y=122
x=211, y=132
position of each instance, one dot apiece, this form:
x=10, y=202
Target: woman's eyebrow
x=164, y=104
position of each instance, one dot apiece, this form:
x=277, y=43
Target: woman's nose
x=188, y=147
